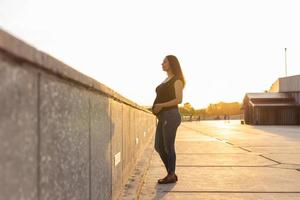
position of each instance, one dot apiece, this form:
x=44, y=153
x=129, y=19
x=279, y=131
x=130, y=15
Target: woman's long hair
x=175, y=67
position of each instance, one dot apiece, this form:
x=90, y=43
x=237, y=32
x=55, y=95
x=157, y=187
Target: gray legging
x=168, y=122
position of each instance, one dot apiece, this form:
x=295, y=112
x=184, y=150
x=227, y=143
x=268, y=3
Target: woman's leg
x=159, y=144
x=170, y=125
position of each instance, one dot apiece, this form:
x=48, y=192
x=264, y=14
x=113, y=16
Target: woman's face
x=165, y=65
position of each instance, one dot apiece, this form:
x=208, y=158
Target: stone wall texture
x=63, y=135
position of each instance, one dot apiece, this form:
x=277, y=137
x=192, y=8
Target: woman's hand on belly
x=156, y=108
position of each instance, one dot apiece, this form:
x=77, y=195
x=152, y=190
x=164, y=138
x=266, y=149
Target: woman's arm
x=178, y=93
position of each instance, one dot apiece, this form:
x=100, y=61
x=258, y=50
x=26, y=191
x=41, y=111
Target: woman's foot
x=170, y=178
x=174, y=175
x=162, y=179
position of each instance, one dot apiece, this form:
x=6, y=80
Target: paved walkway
x=218, y=160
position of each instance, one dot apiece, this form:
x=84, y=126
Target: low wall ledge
x=23, y=51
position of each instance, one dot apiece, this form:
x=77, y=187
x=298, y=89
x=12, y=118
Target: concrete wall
x=63, y=135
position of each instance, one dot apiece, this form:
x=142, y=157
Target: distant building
x=279, y=106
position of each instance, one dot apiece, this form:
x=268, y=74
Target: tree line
x=217, y=109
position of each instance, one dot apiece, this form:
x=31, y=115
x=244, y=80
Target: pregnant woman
x=165, y=107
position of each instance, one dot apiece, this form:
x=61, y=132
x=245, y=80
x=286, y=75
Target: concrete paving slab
x=213, y=160
x=238, y=179
x=286, y=158
x=267, y=150
x=287, y=166
x=261, y=143
x=234, y=130
x=222, y=196
x=206, y=147
x=193, y=136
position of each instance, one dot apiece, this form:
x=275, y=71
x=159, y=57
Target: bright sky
x=226, y=48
